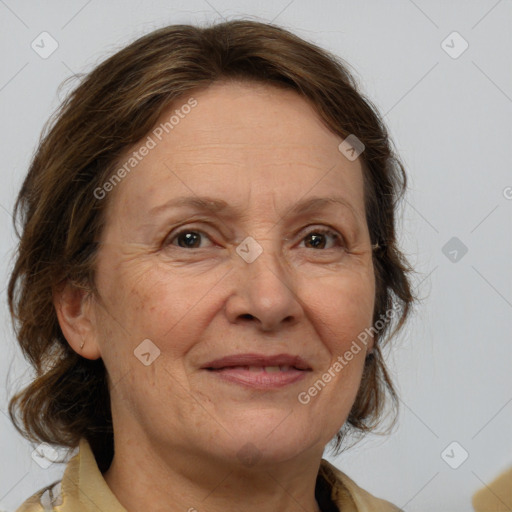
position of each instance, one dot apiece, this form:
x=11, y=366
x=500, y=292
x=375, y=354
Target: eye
x=187, y=239
x=317, y=238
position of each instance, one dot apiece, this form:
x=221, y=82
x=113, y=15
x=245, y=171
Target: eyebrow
x=217, y=206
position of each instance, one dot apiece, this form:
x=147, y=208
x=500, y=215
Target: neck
x=168, y=479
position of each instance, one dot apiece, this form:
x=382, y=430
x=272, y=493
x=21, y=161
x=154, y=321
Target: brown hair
x=61, y=218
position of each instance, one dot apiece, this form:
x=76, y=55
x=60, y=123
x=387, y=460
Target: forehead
x=253, y=115
x=240, y=141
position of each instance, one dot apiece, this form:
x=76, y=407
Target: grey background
x=451, y=122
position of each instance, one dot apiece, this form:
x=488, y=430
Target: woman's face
x=181, y=286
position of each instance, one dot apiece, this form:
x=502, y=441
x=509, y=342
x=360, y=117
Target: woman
x=206, y=273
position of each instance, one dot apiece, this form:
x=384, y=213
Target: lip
x=259, y=379
x=248, y=370
x=253, y=359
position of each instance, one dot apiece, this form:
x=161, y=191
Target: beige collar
x=83, y=489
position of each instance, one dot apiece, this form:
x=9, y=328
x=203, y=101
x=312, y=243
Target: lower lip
x=260, y=379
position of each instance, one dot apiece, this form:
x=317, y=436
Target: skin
x=180, y=431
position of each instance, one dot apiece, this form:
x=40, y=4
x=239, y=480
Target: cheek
x=341, y=307
x=150, y=299
x=147, y=302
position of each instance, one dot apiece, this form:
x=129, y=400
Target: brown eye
x=318, y=239
x=187, y=239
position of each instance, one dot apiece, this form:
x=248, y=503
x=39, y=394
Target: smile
x=259, y=377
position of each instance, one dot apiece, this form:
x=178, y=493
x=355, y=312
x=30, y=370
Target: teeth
x=272, y=369
x=255, y=368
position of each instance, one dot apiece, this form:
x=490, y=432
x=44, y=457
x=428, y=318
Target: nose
x=265, y=294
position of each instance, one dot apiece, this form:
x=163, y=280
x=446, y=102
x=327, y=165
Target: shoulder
x=82, y=488
x=496, y=495
x=346, y=493
x=43, y=500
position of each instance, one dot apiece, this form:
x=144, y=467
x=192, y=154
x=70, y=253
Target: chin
x=253, y=447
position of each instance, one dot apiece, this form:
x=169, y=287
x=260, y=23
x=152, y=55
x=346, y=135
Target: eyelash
x=317, y=231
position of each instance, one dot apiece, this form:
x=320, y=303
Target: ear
x=75, y=313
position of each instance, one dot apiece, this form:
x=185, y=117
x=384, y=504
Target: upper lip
x=258, y=360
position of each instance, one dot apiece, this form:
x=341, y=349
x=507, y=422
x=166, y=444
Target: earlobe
x=76, y=318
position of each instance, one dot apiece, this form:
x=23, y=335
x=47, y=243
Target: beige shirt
x=497, y=496
x=83, y=489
